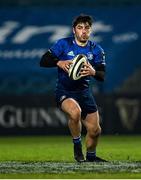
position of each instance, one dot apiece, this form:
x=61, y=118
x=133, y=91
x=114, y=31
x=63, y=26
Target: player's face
x=82, y=32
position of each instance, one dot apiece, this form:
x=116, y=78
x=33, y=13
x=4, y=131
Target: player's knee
x=75, y=114
x=98, y=131
x=95, y=132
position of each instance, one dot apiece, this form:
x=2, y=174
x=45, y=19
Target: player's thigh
x=71, y=107
x=91, y=122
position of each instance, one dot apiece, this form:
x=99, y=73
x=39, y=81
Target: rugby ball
x=75, y=68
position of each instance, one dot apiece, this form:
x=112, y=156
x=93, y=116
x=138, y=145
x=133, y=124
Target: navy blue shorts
x=84, y=98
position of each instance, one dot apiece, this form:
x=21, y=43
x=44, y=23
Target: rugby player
x=75, y=97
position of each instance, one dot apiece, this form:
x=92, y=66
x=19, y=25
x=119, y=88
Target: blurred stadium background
x=29, y=27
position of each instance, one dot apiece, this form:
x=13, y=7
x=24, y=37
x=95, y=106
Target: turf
x=51, y=157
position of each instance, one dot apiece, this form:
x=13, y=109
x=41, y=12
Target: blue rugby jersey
x=67, y=49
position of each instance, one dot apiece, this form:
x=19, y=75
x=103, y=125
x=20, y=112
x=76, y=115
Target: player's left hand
x=87, y=70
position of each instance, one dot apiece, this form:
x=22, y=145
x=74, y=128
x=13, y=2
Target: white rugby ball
x=75, y=68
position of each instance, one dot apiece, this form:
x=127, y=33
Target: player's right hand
x=65, y=65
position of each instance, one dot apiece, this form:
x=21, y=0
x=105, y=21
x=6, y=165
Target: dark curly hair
x=82, y=18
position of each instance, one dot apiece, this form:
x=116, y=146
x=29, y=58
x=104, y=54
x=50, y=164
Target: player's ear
x=73, y=30
x=91, y=30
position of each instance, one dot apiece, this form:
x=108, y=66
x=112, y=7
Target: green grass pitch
x=52, y=157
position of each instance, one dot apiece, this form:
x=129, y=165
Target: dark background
x=29, y=28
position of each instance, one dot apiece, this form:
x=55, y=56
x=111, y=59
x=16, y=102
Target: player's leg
x=93, y=128
x=73, y=111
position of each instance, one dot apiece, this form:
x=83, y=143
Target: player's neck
x=81, y=43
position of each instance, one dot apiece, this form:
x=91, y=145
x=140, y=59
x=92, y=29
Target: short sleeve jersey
x=66, y=49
